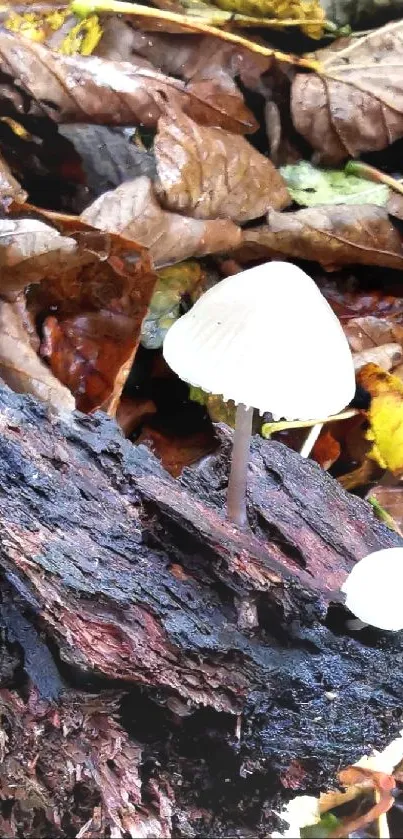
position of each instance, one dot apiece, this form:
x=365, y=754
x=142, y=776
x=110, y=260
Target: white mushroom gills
x=374, y=589
x=267, y=339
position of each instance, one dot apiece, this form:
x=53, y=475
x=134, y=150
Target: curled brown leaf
x=133, y=210
x=355, y=104
x=209, y=173
x=332, y=235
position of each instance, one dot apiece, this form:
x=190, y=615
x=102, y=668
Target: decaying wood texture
x=182, y=677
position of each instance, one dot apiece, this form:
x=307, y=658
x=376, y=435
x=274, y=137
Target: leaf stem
x=370, y=173
x=83, y=8
x=269, y=428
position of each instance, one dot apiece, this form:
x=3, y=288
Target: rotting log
x=163, y=673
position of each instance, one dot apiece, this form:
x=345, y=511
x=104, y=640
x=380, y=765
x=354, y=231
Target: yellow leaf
x=385, y=416
x=35, y=26
x=82, y=36
x=301, y=10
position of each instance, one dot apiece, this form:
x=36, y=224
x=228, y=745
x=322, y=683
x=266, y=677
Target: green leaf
x=217, y=409
x=322, y=829
x=309, y=186
x=172, y=284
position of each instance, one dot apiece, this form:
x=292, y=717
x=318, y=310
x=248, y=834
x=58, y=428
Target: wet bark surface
x=162, y=672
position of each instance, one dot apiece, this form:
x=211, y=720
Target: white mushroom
x=267, y=339
x=374, y=589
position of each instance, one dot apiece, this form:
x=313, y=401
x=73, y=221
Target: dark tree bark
x=182, y=677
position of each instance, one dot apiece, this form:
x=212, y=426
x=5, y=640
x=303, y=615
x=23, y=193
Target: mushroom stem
x=311, y=439
x=236, y=497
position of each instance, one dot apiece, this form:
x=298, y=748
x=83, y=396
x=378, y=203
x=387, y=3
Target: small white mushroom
x=374, y=589
x=267, y=339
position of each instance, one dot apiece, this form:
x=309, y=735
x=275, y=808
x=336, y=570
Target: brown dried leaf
x=375, y=340
x=387, y=356
x=29, y=249
x=356, y=103
x=207, y=64
x=209, y=173
x=133, y=210
x=365, y=333
x=198, y=57
x=20, y=366
x=332, y=235
x=90, y=89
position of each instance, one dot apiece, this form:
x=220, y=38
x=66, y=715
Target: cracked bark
x=138, y=623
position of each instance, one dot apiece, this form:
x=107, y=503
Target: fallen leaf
x=347, y=303
x=176, y=452
x=334, y=235
x=197, y=58
x=90, y=89
x=326, y=450
x=349, y=12
x=184, y=278
x=395, y=205
x=208, y=65
x=209, y=173
x=309, y=186
x=367, y=332
x=58, y=28
x=308, y=13
x=108, y=157
x=132, y=412
x=133, y=210
x=29, y=249
x=92, y=336
x=355, y=103
x=216, y=407
x=387, y=356
x=385, y=417
x=380, y=782
x=20, y=366
x=10, y=189
x=92, y=354
x=388, y=506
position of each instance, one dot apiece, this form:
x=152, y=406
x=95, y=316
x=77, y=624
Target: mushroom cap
x=374, y=589
x=268, y=339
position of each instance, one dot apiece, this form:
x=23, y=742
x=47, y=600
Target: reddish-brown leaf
x=176, y=452
x=91, y=340
x=326, y=449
